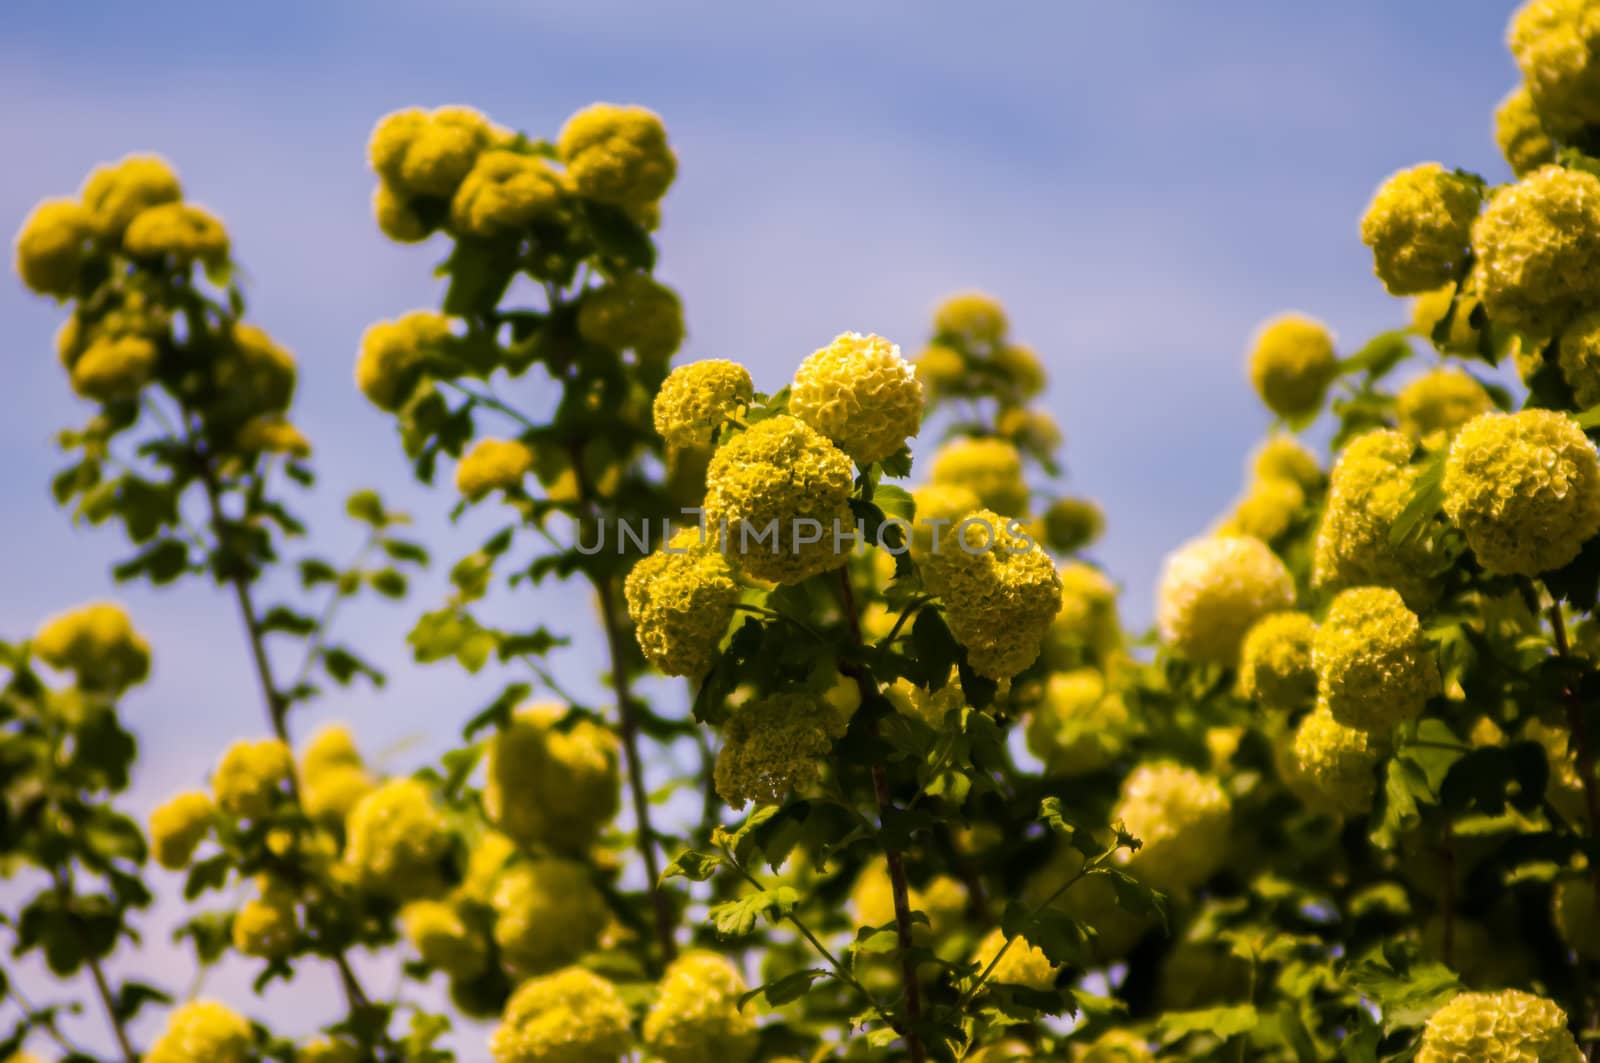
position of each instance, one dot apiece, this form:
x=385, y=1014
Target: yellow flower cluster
x=697, y=399
x=1441, y=400
x=1576, y=914
x=1275, y=667
x=395, y=839
x=179, y=233
x=117, y=193
x=1505, y=1027
x=974, y=319
x=272, y=435
x=1418, y=226
x=493, y=465
x=444, y=940
x=267, y=925
x=252, y=375
x=1000, y=592
x=1371, y=484
x=395, y=356
x=861, y=394
x=1337, y=761
x=1031, y=430
x=332, y=776
x=1524, y=489
x=1292, y=362
x=113, y=367
x=251, y=777
x=1556, y=44
x=1080, y=726
x=681, y=599
x=1213, y=590
x=1087, y=628
x=941, y=371
x=1578, y=354
x=779, y=472
x=547, y=914
x=936, y=503
x=552, y=785
x=1182, y=819
x=506, y=191
x=942, y=900
x=1538, y=250
x=772, y=746
x=178, y=826
x=97, y=644
x=1072, y=524
x=55, y=241
x=1023, y=964
x=617, y=155
x=572, y=1016
x=1375, y=667
x=696, y=1016
x=1520, y=134
x=990, y=468
x=1267, y=511
x=420, y=153
x=1283, y=457
x=203, y=1031
x=633, y=313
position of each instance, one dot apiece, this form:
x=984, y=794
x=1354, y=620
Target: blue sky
x=1141, y=184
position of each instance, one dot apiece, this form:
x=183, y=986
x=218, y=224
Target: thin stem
x=492, y=403
x=1082, y=872
x=325, y=620
x=892, y=857
x=102, y=987
x=761, y=610
x=48, y=1024
x=905, y=614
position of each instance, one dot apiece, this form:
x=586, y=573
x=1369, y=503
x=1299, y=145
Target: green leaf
x=737, y=918
x=1134, y=896
x=480, y=272
x=618, y=237
x=781, y=991
x=1486, y=780
x=1381, y=354
x=498, y=712
x=898, y=464
x=1424, y=503
x=1222, y=1023
x=692, y=865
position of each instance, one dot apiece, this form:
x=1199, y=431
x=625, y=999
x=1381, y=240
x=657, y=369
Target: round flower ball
x=505, y=192
x=1291, y=363
x=395, y=839
x=398, y=217
x=98, y=644
x=1375, y=667
x=1267, y=511
x=1370, y=486
x=942, y=371
x=1441, y=400
x=395, y=354
x=1537, y=249
x=1087, y=628
x=763, y=484
x=443, y=940
x=428, y=153
x=547, y=914
x=1022, y=964
x=633, y=313
x=861, y=394
x=617, y=155
x=681, y=599
x=972, y=319
x=1337, y=761
x=493, y=465
x=697, y=399
x=1079, y=727
x=696, y=1017
x=1520, y=134
x=571, y=1016
x=251, y=777
x=772, y=746
x=1213, y=590
x=550, y=785
x=267, y=926
x=178, y=826
x=990, y=468
x=1419, y=225
x=118, y=192
x=1505, y=1027
x=1182, y=819
x=1524, y=489
x=180, y=233
x=1072, y=524
x=203, y=1031
x=1275, y=667
x=1283, y=457
x=1578, y=354
x=113, y=367
x=55, y=242
x=1556, y=44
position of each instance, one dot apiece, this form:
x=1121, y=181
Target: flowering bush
x=929, y=800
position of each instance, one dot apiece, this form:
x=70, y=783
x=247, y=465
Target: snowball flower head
x=772, y=746
x=1019, y=366
x=1291, y=364
x=697, y=399
x=633, y=313
x=1441, y=400
x=54, y=243
x=116, y=193
x=180, y=232
x=571, y=1016
x=972, y=319
x=1283, y=457
x=1375, y=667
x=547, y=914
x=203, y=1031
x=1505, y=1027
x=394, y=840
x=395, y=354
x=551, y=785
x=1524, y=488
x=942, y=370
x=423, y=153
x=681, y=599
x=1000, y=591
x=1520, y=135
x=696, y=1016
x=776, y=475
x=332, y=775
x=1418, y=226
x=1337, y=761
x=1538, y=250
x=1087, y=625
x=397, y=216
x=98, y=644
x=1371, y=483
x=1557, y=47
x=1073, y=523
x=178, y=826
x=266, y=926
x=505, y=192
x=251, y=777
x=861, y=394
x=1023, y=964
x=254, y=374
x=1212, y=592
x=1181, y=817
x=493, y=465
x=1275, y=667
x=990, y=468
x=1267, y=511
x=1079, y=727
x=617, y=155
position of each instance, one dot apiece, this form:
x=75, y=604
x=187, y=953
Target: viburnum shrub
x=878, y=773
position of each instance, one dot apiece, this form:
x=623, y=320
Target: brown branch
x=102, y=987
